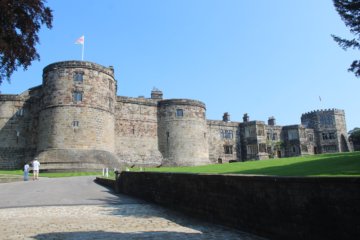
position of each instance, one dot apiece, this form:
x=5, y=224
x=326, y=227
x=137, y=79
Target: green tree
x=20, y=21
x=349, y=11
x=354, y=136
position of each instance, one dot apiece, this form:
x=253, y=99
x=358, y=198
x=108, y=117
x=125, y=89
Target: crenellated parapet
x=79, y=64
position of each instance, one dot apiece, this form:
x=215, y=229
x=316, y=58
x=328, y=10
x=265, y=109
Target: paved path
x=78, y=208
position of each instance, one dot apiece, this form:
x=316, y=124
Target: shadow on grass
x=326, y=165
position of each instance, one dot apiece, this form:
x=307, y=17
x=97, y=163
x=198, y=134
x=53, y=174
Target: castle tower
x=182, y=132
x=76, y=120
x=329, y=129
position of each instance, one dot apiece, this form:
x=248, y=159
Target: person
x=26, y=171
x=36, y=167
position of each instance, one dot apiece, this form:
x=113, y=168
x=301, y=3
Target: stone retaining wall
x=274, y=207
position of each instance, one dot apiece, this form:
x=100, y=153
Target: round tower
x=76, y=121
x=182, y=132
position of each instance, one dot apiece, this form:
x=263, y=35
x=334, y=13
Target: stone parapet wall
x=79, y=64
x=273, y=207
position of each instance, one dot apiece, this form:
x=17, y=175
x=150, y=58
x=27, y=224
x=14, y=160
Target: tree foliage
x=354, y=136
x=20, y=21
x=349, y=11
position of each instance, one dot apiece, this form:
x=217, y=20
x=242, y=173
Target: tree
x=349, y=11
x=354, y=136
x=20, y=21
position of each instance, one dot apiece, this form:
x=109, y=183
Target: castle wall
x=136, y=131
x=18, y=128
x=74, y=120
x=224, y=141
x=183, y=132
x=77, y=112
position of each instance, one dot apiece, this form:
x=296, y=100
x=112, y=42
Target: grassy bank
x=339, y=164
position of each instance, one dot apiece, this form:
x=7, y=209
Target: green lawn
x=339, y=164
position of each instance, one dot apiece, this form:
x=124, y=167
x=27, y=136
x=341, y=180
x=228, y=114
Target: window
x=326, y=119
x=262, y=147
x=293, y=134
x=250, y=131
x=274, y=137
x=251, y=149
x=310, y=137
x=77, y=97
x=75, y=123
x=20, y=112
x=332, y=135
x=330, y=148
x=261, y=132
x=228, y=149
x=228, y=134
x=78, y=77
x=328, y=136
x=179, y=113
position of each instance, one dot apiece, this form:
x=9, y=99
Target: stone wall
x=331, y=121
x=182, y=132
x=224, y=141
x=136, y=131
x=77, y=113
x=18, y=129
x=274, y=207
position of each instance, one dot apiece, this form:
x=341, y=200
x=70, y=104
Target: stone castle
x=74, y=120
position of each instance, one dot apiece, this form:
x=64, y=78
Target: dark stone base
x=56, y=160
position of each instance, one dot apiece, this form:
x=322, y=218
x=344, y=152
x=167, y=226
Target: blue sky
x=265, y=58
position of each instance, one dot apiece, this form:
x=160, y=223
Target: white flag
x=80, y=40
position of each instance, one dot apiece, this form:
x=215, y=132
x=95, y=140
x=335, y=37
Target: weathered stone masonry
x=74, y=120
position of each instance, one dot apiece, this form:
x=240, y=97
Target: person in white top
x=26, y=172
x=36, y=167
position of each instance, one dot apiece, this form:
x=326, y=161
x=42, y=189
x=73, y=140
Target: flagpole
x=82, y=52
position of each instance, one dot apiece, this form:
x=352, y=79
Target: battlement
x=323, y=111
x=139, y=101
x=10, y=97
x=188, y=102
x=80, y=64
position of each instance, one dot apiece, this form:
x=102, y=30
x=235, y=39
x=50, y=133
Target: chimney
x=156, y=94
x=271, y=121
x=246, y=117
x=226, y=117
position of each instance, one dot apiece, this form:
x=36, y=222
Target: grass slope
x=339, y=164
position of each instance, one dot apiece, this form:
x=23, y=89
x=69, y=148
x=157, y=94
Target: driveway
x=78, y=208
